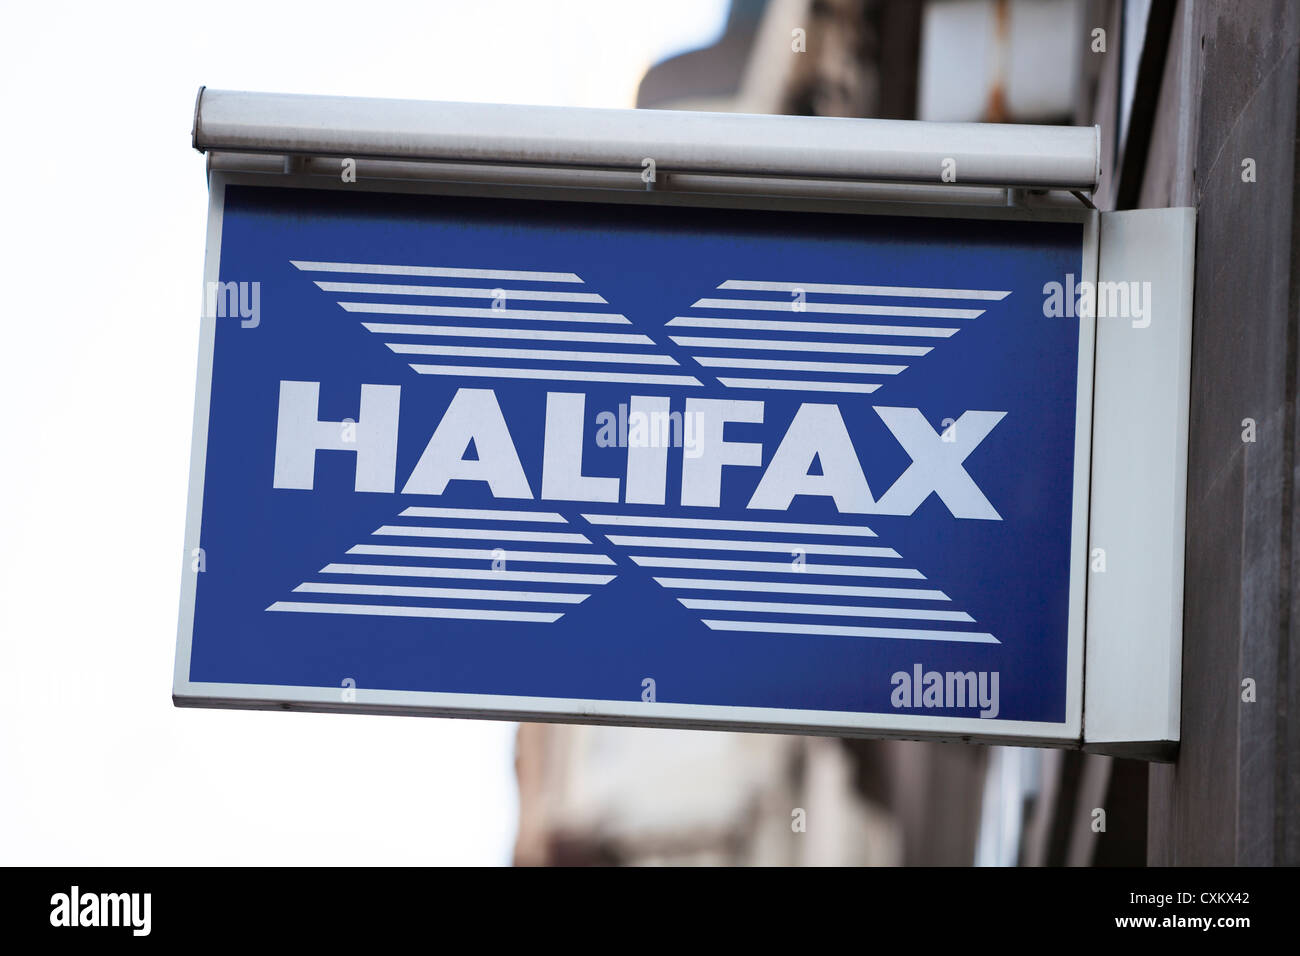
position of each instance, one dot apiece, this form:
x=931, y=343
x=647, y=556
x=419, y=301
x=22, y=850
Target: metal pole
x=720, y=144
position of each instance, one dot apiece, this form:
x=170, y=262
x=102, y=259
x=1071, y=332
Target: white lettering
x=473, y=416
x=373, y=437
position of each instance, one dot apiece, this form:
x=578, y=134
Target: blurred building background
x=1184, y=92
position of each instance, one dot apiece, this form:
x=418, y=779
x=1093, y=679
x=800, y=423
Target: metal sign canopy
x=767, y=423
x=860, y=150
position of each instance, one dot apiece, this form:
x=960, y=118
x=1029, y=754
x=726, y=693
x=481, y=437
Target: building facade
x=1197, y=102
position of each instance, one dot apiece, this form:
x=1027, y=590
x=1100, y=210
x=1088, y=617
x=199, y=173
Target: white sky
x=101, y=251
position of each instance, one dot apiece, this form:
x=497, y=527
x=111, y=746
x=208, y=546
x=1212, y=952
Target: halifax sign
x=638, y=463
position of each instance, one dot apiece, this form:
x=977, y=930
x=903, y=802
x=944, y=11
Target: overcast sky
x=101, y=241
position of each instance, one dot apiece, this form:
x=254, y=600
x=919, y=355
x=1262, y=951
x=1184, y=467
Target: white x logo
x=937, y=464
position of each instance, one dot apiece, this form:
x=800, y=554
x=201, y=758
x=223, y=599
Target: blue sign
x=638, y=463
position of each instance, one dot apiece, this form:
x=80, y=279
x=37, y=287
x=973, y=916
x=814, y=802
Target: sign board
x=640, y=463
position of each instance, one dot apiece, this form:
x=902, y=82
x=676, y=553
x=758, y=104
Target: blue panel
x=947, y=593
